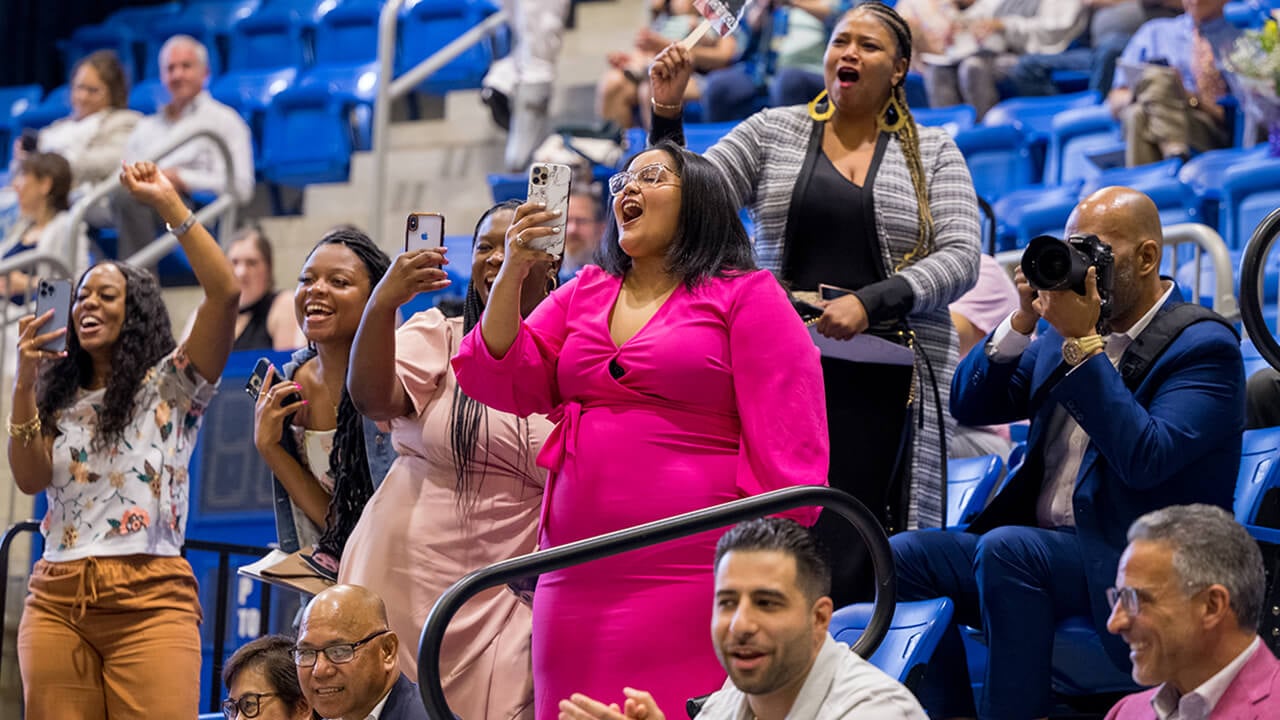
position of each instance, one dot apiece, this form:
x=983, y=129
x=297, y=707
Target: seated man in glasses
x=347, y=659
x=1188, y=600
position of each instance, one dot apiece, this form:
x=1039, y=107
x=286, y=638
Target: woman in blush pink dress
x=680, y=378
x=464, y=492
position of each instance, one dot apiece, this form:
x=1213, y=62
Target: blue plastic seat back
x=268, y=39
x=913, y=635
x=426, y=26
x=699, y=137
x=56, y=105
x=1074, y=134
x=250, y=93
x=1159, y=181
x=999, y=159
x=1250, y=192
x=1203, y=177
x=969, y=485
x=18, y=99
x=953, y=118
x=307, y=138
x=1024, y=214
x=1257, y=471
x=209, y=21
x=348, y=33
x=1034, y=115
x=1081, y=666
x=148, y=96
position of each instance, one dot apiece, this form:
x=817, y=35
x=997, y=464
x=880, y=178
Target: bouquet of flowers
x=1254, y=61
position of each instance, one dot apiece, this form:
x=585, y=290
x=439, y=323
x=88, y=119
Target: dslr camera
x=1051, y=264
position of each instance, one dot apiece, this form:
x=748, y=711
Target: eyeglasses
x=648, y=176
x=249, y=705
x=338, y=654
x=1125, y=597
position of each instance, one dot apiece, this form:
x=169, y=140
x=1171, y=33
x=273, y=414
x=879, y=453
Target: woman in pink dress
x=680, y=378
x=464, y=492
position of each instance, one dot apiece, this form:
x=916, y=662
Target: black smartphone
x=254, y=385
x=54, y=295
x=30, y=140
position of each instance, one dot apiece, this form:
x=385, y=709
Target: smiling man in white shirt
x=348, y=661
x=1188, y=599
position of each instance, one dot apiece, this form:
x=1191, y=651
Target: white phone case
x=549, y=185
x=423, y=231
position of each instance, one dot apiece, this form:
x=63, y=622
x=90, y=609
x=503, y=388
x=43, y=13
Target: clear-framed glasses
x=248, y=706
x=651, y=175
x=338, y=654
x=1125, y=597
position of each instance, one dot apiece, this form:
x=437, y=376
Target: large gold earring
x=821, y=115
x=893, y=115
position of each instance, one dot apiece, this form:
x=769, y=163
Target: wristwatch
x=1077, y=350
x=182, y=229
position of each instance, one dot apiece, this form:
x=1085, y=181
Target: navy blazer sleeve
x=984, y=392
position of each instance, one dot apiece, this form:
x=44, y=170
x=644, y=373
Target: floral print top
x=130, y=498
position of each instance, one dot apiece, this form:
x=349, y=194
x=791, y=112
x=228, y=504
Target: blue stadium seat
x=348, y=34
x=311, y=129
x=508, y=186
x=57, y=104
x=1250, y=191
x=699, y=137
x=124, y=31
x=917, y=97
x=953, y=118
x=426, y=26
x=148, y=96
x=250, y=93
x=14, y=101
x=1081, y=666
x=1202, y=176
x=913, y=635
x=1158, y=180
x=1073, y=135
x=209, y=21
x=969, y=484
x=1258, y=468
x=999, y=159
x=1025, y=214
x=1034, y=117
x=269, y=39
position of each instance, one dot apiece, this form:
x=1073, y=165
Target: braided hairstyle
x=908, y=138
x=467, y=414
x=145, y=337
x=348, y=462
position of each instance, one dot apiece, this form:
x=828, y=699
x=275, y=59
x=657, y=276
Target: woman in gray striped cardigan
x=848, y=192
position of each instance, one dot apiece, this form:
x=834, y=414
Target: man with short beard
x=769, y=627
x=1105, y=445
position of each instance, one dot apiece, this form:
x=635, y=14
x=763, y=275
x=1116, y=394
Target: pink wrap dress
x=718, y=397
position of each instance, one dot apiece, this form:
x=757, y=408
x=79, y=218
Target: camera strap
x=1165, y=327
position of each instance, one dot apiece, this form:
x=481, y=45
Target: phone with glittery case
x=549, y=185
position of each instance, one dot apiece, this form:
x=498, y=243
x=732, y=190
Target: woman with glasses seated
x=680, y=378
x=262, y=682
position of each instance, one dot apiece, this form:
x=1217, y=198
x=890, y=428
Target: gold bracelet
x=665, y=107
x=26, y=432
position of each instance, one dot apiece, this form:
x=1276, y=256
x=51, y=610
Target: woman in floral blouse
x=105, y=429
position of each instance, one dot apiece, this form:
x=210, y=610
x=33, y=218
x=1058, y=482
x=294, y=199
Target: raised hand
x=411, y=273
x=669, y=75
x=148, y=185
x=270, y=411
x=526, y=228
x=30, y=356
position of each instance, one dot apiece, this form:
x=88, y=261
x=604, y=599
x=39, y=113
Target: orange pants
x=111, y=638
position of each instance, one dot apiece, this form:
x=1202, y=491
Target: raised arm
x=375, y=388
x=30, y=449
x=502, y=314
x=214, y=328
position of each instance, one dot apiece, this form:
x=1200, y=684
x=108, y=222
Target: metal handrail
x=1207, y=240
x=148, y=255
x=390, y=89
x=672, y=528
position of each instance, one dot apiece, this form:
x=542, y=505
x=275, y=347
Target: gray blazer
x=762, y=159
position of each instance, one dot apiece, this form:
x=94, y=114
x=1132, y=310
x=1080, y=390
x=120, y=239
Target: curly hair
x=348, y=461
x=145, y=337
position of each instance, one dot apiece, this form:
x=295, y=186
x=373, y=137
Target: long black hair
x=467, y=415
x=348, y=461
x=710, y=240
x=145, y=337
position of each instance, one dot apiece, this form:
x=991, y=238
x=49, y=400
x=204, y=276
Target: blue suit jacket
x=404, y=702
x=1175, y=440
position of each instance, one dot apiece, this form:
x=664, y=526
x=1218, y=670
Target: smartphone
x=549, y=185
x=423, y=231
x=54, y=295
x=30, y=140
x=254, y=385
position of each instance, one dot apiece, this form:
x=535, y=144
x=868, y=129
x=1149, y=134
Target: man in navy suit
x=1099, y=456
x=348, y=662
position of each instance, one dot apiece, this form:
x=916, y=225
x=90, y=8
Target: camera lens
x=413, y=222
x=1050, y=264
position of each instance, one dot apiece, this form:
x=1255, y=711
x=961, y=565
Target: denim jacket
x=378, y=451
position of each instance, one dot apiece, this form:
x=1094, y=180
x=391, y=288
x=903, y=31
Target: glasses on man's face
x=338, y=654
x=248, y=706
x=651, y=175
x=1126, y=597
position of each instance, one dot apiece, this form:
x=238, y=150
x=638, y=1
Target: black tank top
x=256, y=335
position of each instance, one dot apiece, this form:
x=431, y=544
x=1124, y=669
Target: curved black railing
x=1252, y=271
x=672, y=528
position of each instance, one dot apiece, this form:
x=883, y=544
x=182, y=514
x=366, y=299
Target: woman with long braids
x=105, y=429
x=465, y=491
x=328, y=460
x=849, y=192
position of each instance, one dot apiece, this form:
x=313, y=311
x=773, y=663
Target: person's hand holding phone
x=273, y=406
x=411, y=273
x=526, y=229
x=31, y=342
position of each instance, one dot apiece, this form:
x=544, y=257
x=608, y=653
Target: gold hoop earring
x=553, y=282
x=893, y=114
x=821, y=115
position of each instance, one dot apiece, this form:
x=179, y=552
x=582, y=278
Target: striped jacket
x=762, y=159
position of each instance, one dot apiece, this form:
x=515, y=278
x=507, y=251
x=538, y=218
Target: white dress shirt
x=1065, y=441
x=198, y=163
x=376, y=712
x=1199, y=703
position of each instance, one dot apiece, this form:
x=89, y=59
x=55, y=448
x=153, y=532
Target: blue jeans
x=1015, y=583
x=1033, y=75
